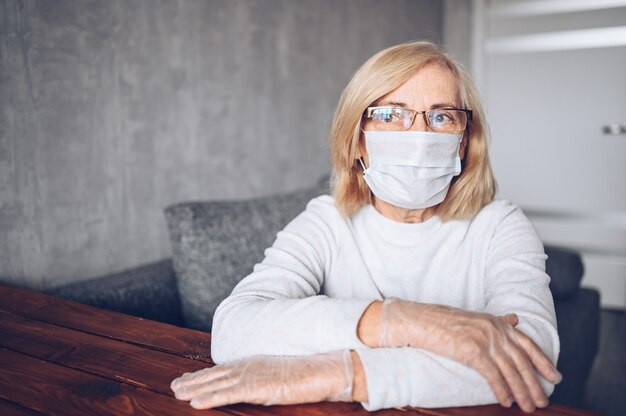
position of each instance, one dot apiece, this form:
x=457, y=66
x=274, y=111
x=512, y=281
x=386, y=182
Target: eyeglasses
x=442, y=120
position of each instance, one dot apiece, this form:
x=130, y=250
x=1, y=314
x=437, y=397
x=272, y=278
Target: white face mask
x=411, y=169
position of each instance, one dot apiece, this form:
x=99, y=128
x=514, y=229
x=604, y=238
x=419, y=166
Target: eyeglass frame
x=368, y=114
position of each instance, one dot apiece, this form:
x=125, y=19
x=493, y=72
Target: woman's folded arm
x=515, y=284
x=277, y=309
x=516, y=281
x=257, y=326
x=398, y=377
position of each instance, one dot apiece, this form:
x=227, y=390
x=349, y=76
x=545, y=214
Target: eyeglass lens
x=440, y=120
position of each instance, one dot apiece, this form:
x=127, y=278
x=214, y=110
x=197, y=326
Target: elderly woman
x=409, y=285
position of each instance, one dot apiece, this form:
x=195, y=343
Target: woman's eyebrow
x=392, y=103
x=404, y=105
x=443, y=105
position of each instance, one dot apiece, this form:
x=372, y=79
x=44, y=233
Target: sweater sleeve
x=398, y=377
x=515, y=282
x=277, y=309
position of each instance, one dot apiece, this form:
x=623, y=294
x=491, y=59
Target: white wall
x=553, y=75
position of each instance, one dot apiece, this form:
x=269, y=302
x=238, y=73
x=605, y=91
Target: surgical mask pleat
x=411, y=169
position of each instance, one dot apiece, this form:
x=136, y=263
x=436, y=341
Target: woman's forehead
x=432, y=85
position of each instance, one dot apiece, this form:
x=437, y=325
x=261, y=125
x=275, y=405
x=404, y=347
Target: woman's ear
x=463, y=146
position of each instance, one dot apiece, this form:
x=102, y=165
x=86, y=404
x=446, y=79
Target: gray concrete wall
x=111, y=110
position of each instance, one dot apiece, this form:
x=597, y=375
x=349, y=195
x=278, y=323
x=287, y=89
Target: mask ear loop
x=361, y=158
x=361, y=162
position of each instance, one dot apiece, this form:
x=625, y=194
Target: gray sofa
x=216, y=243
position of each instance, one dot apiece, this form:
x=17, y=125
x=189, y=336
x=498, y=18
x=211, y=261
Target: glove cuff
x=345, y=369
x=387, y=338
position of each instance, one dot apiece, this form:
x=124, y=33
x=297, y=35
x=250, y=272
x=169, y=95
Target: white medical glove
x=270, y=380
x=490, y=344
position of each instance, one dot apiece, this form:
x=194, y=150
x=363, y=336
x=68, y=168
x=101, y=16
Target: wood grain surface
x=59, y=357
x=156, y=335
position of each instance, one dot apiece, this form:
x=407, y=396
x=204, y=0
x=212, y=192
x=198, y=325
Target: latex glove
x=490, y=344
x=269, y=380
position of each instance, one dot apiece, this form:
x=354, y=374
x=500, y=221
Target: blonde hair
x=474, y=188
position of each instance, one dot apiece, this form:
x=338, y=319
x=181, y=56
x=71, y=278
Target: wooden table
x=63, y=358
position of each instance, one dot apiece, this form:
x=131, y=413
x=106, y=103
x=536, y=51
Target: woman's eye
x=441, y=118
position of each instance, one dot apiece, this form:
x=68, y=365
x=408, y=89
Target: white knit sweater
x=323, y=271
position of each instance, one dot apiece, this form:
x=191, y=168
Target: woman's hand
x=490, y=344
x=269, y=380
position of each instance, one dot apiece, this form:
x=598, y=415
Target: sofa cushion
x=565, y=269
x=148, y=291
x=217, y=243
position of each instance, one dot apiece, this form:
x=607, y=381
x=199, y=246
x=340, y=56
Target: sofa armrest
x=148, y=291
x=578, y=320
